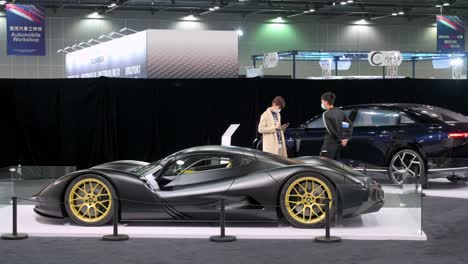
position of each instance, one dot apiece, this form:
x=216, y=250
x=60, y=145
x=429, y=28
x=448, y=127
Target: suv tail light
x=458, y=135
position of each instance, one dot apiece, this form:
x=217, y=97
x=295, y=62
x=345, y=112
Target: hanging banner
x=25, y=30
x=450, y=34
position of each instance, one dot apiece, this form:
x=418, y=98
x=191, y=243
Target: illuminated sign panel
x=119, y=58
x=159, y=54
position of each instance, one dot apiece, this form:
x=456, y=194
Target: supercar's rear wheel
x=88, y=200
x=302, y=200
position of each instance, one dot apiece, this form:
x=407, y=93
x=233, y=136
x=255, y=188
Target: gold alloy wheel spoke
x=297, y=191
x=320, y=195
x=81, y=207
x=295, y=195
x=307, y=186
x=93, y=188
x=300, y=185
x=95, y=208
x=79, y=189
x=315, y=213
x=319, y=208
x=300, y=211
x=100, y=192
x=310, y=213
x=296, y=206
x=101, y=204
x=79, y=196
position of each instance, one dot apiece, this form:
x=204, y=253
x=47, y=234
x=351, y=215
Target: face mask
x=323, y=106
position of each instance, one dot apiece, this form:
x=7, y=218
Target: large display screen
x=124, y=57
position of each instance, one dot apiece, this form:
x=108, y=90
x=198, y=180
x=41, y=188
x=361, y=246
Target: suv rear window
x=441, y=114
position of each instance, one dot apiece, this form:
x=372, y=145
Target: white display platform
x=387, y=224
x=445, y=188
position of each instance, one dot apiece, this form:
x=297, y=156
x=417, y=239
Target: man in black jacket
x=338, y=126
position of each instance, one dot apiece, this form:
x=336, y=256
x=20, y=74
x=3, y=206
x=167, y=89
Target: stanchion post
x=222, y=223
x=327, y=238
x=15, y=235
x=115, y=222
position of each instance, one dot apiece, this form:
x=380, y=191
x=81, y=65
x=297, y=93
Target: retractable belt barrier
x=115, y=236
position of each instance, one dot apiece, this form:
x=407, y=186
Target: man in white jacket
x=271, y=128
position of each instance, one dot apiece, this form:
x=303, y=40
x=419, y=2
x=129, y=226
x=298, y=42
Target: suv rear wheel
x=407, y=166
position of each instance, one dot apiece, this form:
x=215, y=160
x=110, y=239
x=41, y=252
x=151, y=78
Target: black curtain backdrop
x=85, y=122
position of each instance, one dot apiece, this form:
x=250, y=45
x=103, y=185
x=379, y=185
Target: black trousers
x=331, y=149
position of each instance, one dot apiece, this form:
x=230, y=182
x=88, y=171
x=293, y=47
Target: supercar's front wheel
x=302, y=200
x=88, y=200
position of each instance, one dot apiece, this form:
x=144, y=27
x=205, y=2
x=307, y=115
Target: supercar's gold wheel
x=303, y=200
x=88, y=200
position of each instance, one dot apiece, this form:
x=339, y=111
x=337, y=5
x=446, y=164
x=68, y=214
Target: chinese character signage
x=25, y=30
x=450, y=34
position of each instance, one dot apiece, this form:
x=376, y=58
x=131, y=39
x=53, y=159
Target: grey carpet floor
x=445, y=223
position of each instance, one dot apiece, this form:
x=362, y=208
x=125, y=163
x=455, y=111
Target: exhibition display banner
x=450, y=34
x=159, y=54
x=25, y=30
x=119, y=58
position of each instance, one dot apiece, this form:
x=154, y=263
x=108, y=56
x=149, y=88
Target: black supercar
x=189, y=184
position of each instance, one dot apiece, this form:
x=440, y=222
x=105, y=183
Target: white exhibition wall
x=68, y=27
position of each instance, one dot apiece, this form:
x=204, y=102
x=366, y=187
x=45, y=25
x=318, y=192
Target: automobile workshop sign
x=25, y=30
x=450, y=34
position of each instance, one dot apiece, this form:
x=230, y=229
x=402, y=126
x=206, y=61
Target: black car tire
x=410, y=162
x=311, y=200
x=89, y=200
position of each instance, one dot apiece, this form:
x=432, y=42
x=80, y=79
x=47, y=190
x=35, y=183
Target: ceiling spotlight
x=190, y=18
x=350, y=1
x=278, y=20
x=216, y=7
x=446, y=4
x=112, y=5
x=94, y=15
x=438, y=6
x=394, y=14
x=401, y=13
x=311, y=10
x=343, y=3
x=240, y=33
x=362, y=21
x=211, y=9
